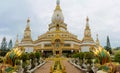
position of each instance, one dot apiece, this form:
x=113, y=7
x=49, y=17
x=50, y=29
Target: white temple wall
x=29, y=49
x=85, y=48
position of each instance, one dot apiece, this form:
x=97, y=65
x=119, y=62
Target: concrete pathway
x=45, y=68
x=70, y=68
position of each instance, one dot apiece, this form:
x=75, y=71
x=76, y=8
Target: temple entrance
x=47, y=53
x=57, y=46
x=66, y=53
x=57, y=52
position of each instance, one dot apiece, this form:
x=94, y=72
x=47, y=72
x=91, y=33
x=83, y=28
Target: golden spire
x=58, y=5
x=87, y=23
x=87, y=32
x=97, y=40
x=87, y=29
x=28, y=24
x=87, y=19
x=17, y=41
x=58, y=2
x=27, y=33
x=28, y=21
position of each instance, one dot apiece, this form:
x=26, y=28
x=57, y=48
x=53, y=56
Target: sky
x=104, y=16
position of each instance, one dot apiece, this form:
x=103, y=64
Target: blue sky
x=104, y=18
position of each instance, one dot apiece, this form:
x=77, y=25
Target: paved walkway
x=45, y=68
x=70, y=68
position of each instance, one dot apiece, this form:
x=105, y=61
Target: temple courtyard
x=69, y=67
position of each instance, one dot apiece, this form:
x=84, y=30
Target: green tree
x=89, y=55
x=25, y=56
x=117, y=48
x=10, y=45
x=108, y=46
x=81, y=55
x=3, y=53
x=4, y=44
x=75, y=55
x=32, y=56
x=117, y=57
x=37, y=55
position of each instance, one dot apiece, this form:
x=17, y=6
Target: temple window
x=47, y=45
x=67, y=45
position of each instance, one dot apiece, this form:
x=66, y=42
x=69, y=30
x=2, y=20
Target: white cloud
x=104, y=17
x=4, y=29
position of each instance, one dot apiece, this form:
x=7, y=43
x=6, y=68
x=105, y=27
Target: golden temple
x=58, y=40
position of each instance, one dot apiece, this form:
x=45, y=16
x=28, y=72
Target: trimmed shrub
x=37, y=55
x=25, y=57
x=88, y=55
x=32, y=56
x=17, y=62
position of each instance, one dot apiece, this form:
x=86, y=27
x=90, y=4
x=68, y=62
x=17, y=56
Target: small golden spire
x=58, y=5
x=97, y=40
x=97, y=36
x=87, y=19
x=28, y=24
x=87, y=23
x=28, y=20
x=17, y=41
x=58, y=2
